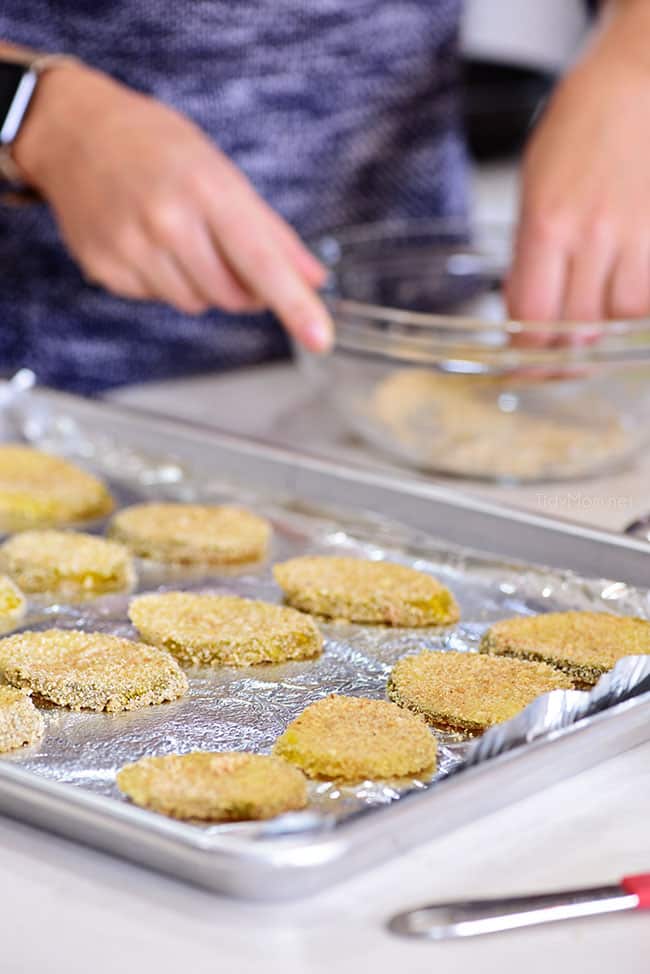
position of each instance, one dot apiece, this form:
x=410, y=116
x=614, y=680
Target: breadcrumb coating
x=20, y=721
x=90, y=670
x=457, y=423
x=192, y=533
x=13, y=604
x=354, y=739
x=215, y=787
x=469, y=692
x=359, y=590
x=582, y=644
x=67, y=563
x=37, y=490
x=224, y=630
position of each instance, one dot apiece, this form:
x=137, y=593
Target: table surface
x=64, y=908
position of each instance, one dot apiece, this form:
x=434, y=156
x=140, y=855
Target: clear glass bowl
x=427, y=367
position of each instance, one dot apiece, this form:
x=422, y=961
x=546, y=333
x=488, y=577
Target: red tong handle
x=640, y=886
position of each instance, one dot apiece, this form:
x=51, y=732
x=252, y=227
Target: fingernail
x=318, y=335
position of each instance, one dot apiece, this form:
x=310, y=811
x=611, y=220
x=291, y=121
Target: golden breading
x=67, y=563
x=12, y=604
x=468, y=692
x=582, y=644
x=458, y=423
x=20, y=721
x=37, y=490
x=359, y=590
x=215, y=787
x=224, y=630
x=353, y=739
x=192, y=533
x=90, y=670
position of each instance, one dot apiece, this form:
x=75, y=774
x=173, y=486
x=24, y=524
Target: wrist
x=47, y=115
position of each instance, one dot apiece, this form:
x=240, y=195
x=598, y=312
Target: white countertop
x=67, y=909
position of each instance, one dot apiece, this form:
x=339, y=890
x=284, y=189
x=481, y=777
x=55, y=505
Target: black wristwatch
x=18, y=80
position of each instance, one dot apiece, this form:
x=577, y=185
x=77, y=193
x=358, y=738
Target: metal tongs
x=470, y=918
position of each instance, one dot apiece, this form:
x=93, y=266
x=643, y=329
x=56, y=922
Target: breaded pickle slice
x=192, y=533
x=224, y=630
x=90, y=670
x=468, y=692
x=67, y=563
x=359, y=590
x=582, y=644
x=38, y=490
x=215, y=787
x=13, y=604
x=353, y=739
x=20, y=721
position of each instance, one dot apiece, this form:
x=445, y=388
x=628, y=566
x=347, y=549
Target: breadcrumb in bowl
x=584, y=645
x=364, y=591
x=20, y=721
x=468, y=692
x=90, y=670
x=192, y=533
x=224, y=630
x=39, y=490
x=67, y=563
x=215, y=787
x=354, y=739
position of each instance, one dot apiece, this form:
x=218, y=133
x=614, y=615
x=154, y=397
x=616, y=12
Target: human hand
x=583, y=244
x=152, y=210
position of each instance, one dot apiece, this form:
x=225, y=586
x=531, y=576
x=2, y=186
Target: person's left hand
x=583, y=243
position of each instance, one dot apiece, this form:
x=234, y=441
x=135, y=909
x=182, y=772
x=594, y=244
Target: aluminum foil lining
x=240, y=709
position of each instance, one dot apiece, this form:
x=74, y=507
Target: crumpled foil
x=241, y=709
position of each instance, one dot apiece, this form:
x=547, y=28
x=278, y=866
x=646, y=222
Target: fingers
x=167, y=282
x=301, y=257
x=537, y=282
x=117, y=277
x=628, y=293
x=251, y=246
x=204, y=242
x=203, y=264
x=588, y=273
x=592, y=280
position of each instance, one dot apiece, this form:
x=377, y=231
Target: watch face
x=16, y=87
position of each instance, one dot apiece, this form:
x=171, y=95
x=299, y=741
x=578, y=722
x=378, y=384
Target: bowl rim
x=328, y=242
x=466, y=344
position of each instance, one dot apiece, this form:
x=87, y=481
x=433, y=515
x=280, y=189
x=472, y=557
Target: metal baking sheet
x=67, y=783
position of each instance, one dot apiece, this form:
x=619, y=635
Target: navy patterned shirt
x=339, y=111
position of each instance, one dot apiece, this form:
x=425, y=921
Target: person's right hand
x=152, y=210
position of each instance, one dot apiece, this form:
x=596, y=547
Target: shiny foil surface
x=247, y=709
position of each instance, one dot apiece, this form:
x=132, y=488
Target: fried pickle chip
x=359, y=590
x=468, y=692
x=67, y=563
x=353, y=739
x=224, y=630
x=215, y=787
x=20, y=721
x=90, y=670
x=192, y=533
x=12, y=604
x=38, y=490
x=582, y=644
